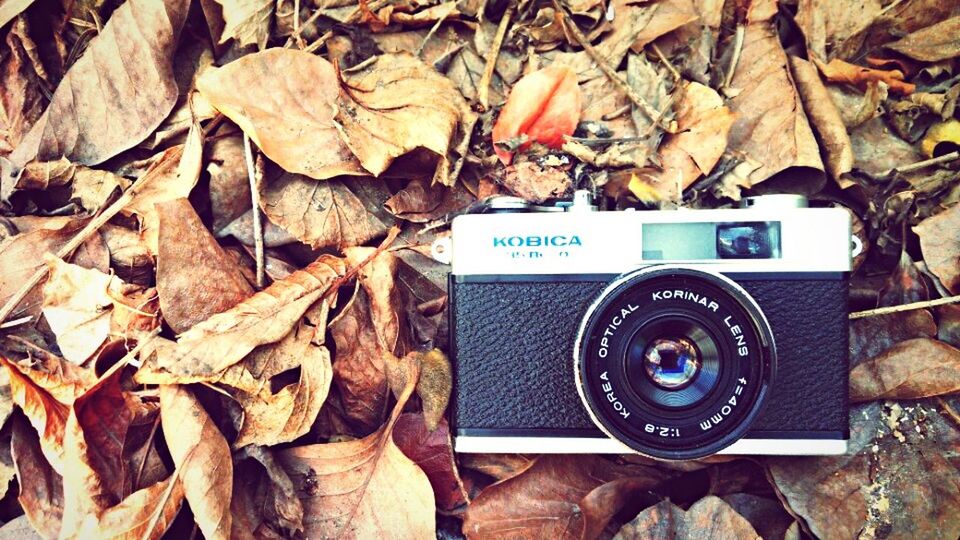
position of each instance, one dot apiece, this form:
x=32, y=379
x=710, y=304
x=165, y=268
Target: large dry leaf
x=277, y=416
x=338, y=213
x=286, y=101
x=85, y=306
x=247, y=21
x=710, y=518
x=366, y=488
x=911, y=369
x=91, y=188
x=433, y=452
x=117, y=93
x=229, y=183
x=899, y=476
x=202, y=458
x=130, y=519
x=47, y=415
x=828, y=23
x=21, y=101
x=41, y=487
x=870, y=336
x=369, y=332
x=398, y=104
x=422, y=201
x=195, y=276
x=265, y=503
x=940, y=244
x=266, y=317
x=771, y=127
x=826, y=120
x=937, y=42
x=704, y=125
x=557, y=497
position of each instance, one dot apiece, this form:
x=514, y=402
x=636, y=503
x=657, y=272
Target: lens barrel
x=675, y=363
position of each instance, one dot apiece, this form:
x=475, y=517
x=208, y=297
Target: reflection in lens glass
x=671, y=363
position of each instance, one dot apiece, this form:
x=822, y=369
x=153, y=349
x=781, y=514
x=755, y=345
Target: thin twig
x=951, y=412
x=317, y=43
x=927, y=163
x=483, y=90
x=905, y=307
x=666, y=62
x=16, y=322
x=142, y=342
x=611, y=73
x=433, y=29
x=257, y=225
x=735, y=59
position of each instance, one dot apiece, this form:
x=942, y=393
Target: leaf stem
x=927, y=163
x=904, y=307
x=483, y=90
x=252, y=173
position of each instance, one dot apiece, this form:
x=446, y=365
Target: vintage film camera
x=675, y=334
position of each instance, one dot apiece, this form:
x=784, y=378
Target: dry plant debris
x=156, y=155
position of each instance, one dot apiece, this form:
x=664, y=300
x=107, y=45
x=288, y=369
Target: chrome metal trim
x=574, y=445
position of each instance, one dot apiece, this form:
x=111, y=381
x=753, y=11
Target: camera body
x=675, y=334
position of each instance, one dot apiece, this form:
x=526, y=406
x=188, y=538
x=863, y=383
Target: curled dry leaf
x=195, y=276
x=286, y=101
x=557, y=497
x=941, y=246
x=202, y=458
x=770, y=126
x=436, y=383
x=398, y=104
x=337, y=213
x=536, y=182
x=22, y=101
x=85, y=306
x=421, y=201
x=826, y=120
x=709, y=518
x=264, y=503
x=266, y=317
x=247, y=21
x=90, y=187
x=904, y=285
x=131, y=519
x=366, y=488
x=117, y=93
x=704, y=125
x=899, y=476
x=542, y=107
x=41, y=487
x=844, y=72
x=911, y=369
x=370, y=331
x=936, y=42
x=432, y=450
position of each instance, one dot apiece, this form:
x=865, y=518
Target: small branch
x=318, y=42
x=926, y=163
x=951, y=412
x=483, y=90
x=16, y=322
x=666, y=62
x=253, y=171
x=905, y=307
x=337, y=283
x=611, y=74
x=735, y=59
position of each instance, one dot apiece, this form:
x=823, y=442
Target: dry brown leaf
x=535, y=182
x=364, y=488
x=247, y=21
x=85, y=306
x=117, y=93
x=770, y=126
x=710, y=518
x=941, y=246
x=704, y=125
x=432, y=450
x=265, y=503
x=936, y=42
x=870, y=336
x=229, y=184
x=398, y=104
x=497, y=466
x=557, y=498
x=827, y=123
x=195, y=276
x=844, y=72
x=286, y=101
x=369, y=332
x=202, y=458
x=899, y=476
x=837, y=25
x=266, y=317
x=338, y=213
x=41, y=487
x=422, y=201
x=278, y=416
x=436, y=383
x=21, y=101
x=911, y=369
x=130, y=519
x=90, y=187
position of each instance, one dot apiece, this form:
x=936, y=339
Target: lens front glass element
x=674, y=363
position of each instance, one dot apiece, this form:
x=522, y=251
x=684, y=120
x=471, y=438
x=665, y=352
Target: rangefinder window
x=748, y=240
x=711, y=241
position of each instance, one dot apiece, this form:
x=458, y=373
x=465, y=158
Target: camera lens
x=671, y=363
x=674, y=362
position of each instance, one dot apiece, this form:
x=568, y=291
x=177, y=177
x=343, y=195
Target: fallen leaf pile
x=219, y=316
